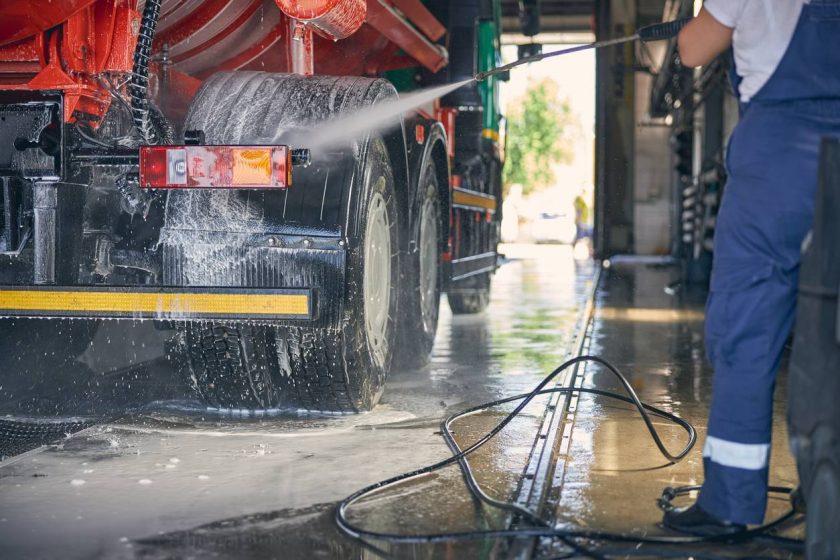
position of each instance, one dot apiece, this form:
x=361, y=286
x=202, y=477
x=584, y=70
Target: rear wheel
x=234, y=365
x=345, y=370
x=369, y=329
x=420, y=302
x=230, y=365
x=340, y=368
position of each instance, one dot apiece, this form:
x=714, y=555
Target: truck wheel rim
x=428, y=263
x=377, y=276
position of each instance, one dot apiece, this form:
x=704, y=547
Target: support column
x=615, y=125
x=45, y=201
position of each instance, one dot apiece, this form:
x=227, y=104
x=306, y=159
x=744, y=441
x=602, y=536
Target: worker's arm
x=703, y=39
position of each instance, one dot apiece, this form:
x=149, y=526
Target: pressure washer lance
x=647, y=34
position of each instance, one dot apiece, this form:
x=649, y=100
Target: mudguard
x=291, y=239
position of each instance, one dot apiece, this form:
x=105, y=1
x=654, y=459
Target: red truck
x=153, y=166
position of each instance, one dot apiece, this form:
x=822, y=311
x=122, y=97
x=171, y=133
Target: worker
x=787, y=76
x=582, y=229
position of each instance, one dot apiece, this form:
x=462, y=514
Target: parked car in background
x=551, y=227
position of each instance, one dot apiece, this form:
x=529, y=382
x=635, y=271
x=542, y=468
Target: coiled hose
x=139, y=87
x=536, y=526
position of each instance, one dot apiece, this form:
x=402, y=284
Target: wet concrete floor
x=612, y=472
x=164, y=478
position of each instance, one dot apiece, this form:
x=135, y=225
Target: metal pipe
x=87, y=157
x=656, y=32
x=301, y=55
x=44, y=203
x=481, y=76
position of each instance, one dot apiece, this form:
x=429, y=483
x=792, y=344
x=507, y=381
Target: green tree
x=539, y=124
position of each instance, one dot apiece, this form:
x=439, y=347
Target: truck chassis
x=288, y=278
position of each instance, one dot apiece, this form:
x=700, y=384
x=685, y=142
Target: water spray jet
x=383, y=116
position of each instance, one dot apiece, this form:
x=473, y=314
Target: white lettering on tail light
x=176, y=167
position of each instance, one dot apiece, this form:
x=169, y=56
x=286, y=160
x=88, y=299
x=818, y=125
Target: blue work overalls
x=766, y=213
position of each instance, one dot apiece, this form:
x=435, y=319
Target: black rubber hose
x=533, y=518
x=139, y=87
x=542, y=529
x=662, y=31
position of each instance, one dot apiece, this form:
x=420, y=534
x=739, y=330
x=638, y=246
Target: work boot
x=695, y=521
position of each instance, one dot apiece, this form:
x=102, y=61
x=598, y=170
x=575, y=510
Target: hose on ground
x=541, y=528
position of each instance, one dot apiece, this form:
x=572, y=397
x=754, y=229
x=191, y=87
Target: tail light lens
x=215, y=167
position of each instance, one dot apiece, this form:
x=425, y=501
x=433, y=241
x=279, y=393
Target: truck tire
x=823, y=516
x=236, y=365
x=373, y=273
x=243, y=366
x=472, y=298
x=230, y=365
x=420, y=302
x=813, y=383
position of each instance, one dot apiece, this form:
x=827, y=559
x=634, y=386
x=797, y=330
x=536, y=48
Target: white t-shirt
x=763, y=31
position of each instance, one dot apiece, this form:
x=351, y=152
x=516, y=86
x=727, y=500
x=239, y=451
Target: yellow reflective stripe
x=145, y=303
x=490, y=134
x=461, y=197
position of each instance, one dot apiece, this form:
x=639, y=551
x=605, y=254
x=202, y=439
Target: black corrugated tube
x=140, y=73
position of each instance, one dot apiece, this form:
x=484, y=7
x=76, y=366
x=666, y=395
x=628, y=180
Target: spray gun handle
x=662, y=31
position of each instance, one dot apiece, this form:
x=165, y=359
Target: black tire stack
x=814, y=382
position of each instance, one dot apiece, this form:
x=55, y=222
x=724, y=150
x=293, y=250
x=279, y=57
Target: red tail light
x=215, y=167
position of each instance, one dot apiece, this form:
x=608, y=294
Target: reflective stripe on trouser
x=738, y=471
x=746, y=456
x=748, y=317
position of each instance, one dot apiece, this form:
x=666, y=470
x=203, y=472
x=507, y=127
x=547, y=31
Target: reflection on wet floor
x=166, y=478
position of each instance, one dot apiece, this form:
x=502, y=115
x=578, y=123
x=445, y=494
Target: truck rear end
x=154, y=167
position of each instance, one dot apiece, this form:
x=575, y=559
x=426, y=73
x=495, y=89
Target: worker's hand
x=703, y=39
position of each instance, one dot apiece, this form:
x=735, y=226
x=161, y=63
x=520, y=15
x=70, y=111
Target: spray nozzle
x=301, y=157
